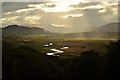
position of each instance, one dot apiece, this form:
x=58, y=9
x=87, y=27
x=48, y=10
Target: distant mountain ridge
x=112, y=27
x=105, y=31
x=23, y=30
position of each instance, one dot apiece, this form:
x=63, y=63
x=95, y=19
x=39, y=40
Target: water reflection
x=55, y=52
x=64, y=48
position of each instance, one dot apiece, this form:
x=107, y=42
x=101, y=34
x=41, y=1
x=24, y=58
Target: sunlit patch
x=56, y=51
x=59, y=52
x=64, y=48
x=50, y=54
x=72, y=15
x=51, y=44
x=46, y=45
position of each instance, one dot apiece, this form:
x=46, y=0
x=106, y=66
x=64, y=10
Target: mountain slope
x=112, y=27
x=105, y=31
x=22, y=30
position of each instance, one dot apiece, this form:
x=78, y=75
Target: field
x=59, y=58
x=76, y=45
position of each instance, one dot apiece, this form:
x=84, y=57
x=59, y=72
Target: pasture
x=75, y=46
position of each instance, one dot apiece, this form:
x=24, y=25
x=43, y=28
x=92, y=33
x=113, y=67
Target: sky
x=64, y=16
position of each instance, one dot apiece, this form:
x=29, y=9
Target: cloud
x=98, y=6
x=60, y=25
x=21, y=19
x=9, y=20
x=3, y=19
x=33, y=19
x=95, y=5
x=56, y=16
x=72, y=15
x=59, y=0
x=38, y=6
x=102, y=11
x=52, y=7
x=109, y=4
x=63, y=7
x=7, y=13
x=25, y=10
x=12, y=6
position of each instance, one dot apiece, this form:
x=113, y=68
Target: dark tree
x=113, y=55
x=85, y=67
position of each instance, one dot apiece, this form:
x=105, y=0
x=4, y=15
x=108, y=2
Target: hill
x=105, y=31
x=23, y=30
x=112, y=27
